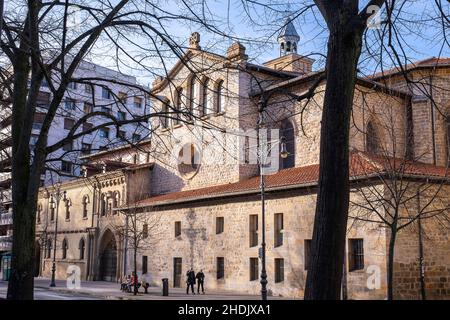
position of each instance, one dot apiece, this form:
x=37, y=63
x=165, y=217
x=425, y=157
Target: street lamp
x=284, y=154
x=55, y=205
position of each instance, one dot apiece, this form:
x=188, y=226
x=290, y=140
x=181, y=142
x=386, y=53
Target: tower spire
x=288, y=38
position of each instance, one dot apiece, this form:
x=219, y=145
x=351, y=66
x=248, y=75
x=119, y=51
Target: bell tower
x=288, y=38
x=289, y=59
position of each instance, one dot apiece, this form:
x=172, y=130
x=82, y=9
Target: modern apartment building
x=96, y=89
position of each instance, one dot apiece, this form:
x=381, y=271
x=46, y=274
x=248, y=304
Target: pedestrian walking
x=190, y=281
x=200, y=281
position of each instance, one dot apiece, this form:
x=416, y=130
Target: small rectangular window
x=72, y=85
x=43, y=99
x=121, y=116
x=219, y=224
x=145, y=231
x=254, y=272
x=105, y=110
x=70, y=104
x=88, y=88
x=66, y=166
x=307, y=254
x=220, y=267
x=33, y=139
x=87, y=108
x=136, y=137
x=279, y=270
x=278, y=229
x=122, y=134
x=86, y=148
x=253, y=229
x=106, y=93
x=177, y=228
x=68, y=146
x=87, y=126
x=144, y=264
x=356, y=254
x=122, y=97
x=104, y=133
x=68, y=123
x=137, y=103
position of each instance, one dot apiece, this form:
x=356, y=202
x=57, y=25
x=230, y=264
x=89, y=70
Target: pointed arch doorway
x=108, y=257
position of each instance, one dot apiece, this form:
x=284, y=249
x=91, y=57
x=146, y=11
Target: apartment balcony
x=5, y=181
x=6, y=142
x=5, y=196
x=5, y=243
x=6, y=219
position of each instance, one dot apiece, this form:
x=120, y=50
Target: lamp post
x=55, y=205
x=262, y=146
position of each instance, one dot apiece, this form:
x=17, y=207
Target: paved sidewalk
x=111, y=291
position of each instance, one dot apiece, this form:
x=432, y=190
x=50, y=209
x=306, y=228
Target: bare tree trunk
x=391, y=253
x=135, y=271
x=20, y=285
x=328, y=244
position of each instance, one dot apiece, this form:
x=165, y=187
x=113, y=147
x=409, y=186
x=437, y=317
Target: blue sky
x=258, y=27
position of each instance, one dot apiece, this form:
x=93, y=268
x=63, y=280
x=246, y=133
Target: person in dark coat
x=190, y=281
x=200, y=281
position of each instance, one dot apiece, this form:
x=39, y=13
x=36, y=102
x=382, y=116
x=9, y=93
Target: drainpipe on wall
x=421, y=258
x=344, y=295
x=433, y=120
x=125, y=249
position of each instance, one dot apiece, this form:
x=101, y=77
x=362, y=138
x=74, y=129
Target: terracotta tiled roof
x=427, y=63
x=362, y=165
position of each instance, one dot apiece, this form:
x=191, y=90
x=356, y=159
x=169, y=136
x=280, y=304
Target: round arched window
x=188, y=160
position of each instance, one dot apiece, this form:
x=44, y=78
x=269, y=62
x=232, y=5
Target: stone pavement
x=111, y=291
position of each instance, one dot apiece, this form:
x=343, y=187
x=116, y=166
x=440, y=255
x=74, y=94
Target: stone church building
x=191, y=192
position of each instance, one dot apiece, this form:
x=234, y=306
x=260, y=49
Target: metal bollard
x=165, y=282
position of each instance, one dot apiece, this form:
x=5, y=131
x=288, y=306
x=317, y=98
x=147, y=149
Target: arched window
x=68, y=205
x=82, y=247
x=205, y=98
x=38, y=213
x=219, y=97
x=287, y=135
x=52, y=209
x=165, y=110
x=372, y=139
x=191, y=94
x=103, y=205
x=178, y=105
x=85, y=206
x=116, y=200
x=49, y=248
x=65, y=247
x=288, y=46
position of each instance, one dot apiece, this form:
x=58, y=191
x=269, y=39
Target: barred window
x=253, y=229
x=278, y=229
x=279, y=270
x=144, y=264
x=177, y=228
x=219, y=224
x=356, y=254
x=220, y=267
x=254, y=269
x=82, y=246
x=145, y=231
x=307, y=254
x=65, y=247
